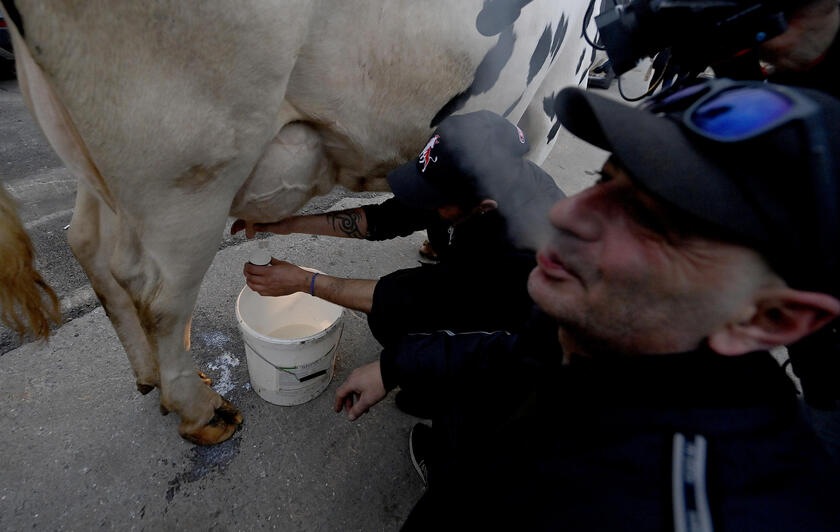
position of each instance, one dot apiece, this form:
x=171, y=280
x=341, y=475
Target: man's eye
x=647, y=219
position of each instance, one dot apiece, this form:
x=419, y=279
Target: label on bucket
x=304, y=372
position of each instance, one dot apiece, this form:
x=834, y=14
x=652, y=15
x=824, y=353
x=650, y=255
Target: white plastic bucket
x=290, y=344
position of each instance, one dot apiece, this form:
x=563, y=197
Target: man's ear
x=488, y=205
x=780, y=316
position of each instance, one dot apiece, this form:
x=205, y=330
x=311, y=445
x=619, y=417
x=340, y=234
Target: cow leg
x=92, y=240
x=160, y=260
x=91, y=232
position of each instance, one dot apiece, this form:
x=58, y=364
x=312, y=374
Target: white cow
x=174, y=115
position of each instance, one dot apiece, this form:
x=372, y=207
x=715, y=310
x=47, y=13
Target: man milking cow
x=453, y=190
x=470, y=171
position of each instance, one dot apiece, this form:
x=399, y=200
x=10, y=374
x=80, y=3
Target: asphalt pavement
x=82, y=449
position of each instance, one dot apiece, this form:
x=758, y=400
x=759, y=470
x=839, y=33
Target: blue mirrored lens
x=741, y=112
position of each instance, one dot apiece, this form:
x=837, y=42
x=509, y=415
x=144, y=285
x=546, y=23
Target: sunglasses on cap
x=728, y=112
x=733, y=111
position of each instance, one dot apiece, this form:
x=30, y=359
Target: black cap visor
x=661, y=158
x=410, y=188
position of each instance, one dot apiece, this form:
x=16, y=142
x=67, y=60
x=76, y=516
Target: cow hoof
x=144, y=388
x=219, y=428
x=205, y=379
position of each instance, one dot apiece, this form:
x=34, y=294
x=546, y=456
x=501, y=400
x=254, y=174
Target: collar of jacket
x=699, y=378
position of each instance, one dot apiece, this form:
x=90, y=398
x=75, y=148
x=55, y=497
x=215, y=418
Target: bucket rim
x=285, y=341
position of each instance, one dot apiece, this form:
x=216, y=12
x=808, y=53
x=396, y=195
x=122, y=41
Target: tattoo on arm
x=346, y=222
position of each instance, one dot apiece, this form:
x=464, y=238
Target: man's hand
x=362, y=389
x=280, y=227
x=279, y=279
x=812, y=27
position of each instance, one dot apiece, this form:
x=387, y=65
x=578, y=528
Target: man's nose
x=579, y=216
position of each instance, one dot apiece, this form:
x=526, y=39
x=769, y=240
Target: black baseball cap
x=459, y=161
x=764, y=192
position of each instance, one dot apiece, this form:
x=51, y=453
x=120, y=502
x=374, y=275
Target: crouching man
x=711, y=237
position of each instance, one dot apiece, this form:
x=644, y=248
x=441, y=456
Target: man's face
x=624, y=273
x=455, y=214
x=451, y=213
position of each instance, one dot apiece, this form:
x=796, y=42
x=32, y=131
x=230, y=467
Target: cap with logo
x=466, y=160
x=775, y=189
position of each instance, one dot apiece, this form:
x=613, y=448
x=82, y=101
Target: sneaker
x=413, y=404
x=419, y=447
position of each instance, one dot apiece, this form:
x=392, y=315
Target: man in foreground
x=711, y=238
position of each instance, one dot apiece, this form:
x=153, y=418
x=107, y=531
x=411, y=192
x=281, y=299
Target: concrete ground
x=82, y=449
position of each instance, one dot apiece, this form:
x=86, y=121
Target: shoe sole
x=417, y=466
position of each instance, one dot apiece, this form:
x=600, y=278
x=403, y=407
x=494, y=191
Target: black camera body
x=697, y=32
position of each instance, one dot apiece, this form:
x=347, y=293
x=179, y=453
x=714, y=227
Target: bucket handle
x=290, y=368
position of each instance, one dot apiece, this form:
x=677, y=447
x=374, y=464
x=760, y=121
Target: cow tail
x=27, y=303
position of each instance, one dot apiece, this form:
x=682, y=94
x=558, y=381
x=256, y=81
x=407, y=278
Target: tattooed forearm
x=346, y=222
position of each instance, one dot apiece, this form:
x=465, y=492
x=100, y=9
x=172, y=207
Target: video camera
x=697, y=32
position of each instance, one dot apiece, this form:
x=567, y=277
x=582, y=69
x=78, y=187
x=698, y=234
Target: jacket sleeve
x=392, y=218
x=430, y=361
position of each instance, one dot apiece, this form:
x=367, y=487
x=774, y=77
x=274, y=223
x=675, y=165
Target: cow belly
x=386, y=79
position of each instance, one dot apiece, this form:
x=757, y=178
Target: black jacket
x=613, y=444
x=478, y=237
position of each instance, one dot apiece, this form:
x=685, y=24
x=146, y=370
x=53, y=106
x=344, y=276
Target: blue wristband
x=312, y=284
